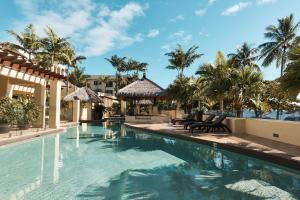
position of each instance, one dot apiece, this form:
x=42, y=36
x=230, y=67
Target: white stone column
x=54, y=109
x=76, y=110
x=6, y=88
x=40, y=99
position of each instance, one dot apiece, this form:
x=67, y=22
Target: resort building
x=102, y=83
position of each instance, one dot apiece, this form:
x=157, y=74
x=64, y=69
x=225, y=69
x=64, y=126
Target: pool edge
x=276, y=159
x=25, y=137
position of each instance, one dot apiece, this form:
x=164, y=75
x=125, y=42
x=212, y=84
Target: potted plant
x=29, y=112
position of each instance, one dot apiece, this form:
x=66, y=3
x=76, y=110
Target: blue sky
x=147, y=29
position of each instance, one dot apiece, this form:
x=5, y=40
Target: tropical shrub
x=28, y=111
x=8, y=108
x=99, y=111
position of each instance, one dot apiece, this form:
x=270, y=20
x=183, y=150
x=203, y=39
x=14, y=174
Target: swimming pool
x=114, y=162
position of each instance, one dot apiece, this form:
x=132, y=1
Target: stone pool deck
x=277, y=152
x=20, y=135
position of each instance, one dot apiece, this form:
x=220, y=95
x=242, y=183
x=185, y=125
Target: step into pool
x=114, y=162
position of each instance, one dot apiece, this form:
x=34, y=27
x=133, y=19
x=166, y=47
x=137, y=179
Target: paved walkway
x=271, y=150
x=20, y=135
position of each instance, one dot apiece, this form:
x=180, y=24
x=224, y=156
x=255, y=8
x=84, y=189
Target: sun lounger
x=207, y=120
x=181, y=121
x=216, y=125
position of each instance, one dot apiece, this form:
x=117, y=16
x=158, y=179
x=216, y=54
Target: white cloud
x=111, y=33
x=200, y=12
x=177, y=34
x=236, y=8
x=210, y=2
x=76, y=19
x=104, y=11
x=179, y=37
x=153, y=33
x=260, y=2
x=177, y=18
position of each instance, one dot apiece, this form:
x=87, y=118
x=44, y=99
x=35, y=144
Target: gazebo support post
x=76, y=111
x=123, y=107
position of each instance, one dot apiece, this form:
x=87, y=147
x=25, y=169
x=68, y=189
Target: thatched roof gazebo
x=141, y=89
x=142, y=92
x=84, y=94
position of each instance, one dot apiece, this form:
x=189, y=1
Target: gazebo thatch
x=143, y=88
x=84, y=94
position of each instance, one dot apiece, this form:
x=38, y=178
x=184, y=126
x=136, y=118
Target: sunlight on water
x=111, y=162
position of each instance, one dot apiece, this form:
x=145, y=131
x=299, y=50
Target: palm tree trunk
x=117, y=81
x=68, y=68
x=282, y=61
x=222, y=104
x=281, y=74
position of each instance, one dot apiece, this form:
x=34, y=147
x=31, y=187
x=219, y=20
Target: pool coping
x=273, y=158
x=27, y=137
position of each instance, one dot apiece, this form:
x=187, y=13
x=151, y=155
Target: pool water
x=114, y=162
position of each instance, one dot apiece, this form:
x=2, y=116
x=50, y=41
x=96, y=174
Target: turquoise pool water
x=112, y=162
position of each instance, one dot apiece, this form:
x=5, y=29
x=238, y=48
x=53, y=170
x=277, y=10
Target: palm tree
x=217, y=78
x=78, y=78
x=181, y=90
x=291, y=79
x=244, y=56
x=142, y=67
x=55, y=47
x=118, y=64
x=28, y=41
x=71, y=60
x=136, y=66
x=281, y=38
x=179, y=59
x=245, y=83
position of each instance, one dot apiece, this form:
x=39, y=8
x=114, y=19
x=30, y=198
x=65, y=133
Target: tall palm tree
x=181, y=90
x=55, y=47
x=244, y=56
x=280, y=41
x=291, y=79
x=71, y=60
x=244, y=83
x=118, y=64
x=142, y=67
x=28, y=41
x=217, y=78
x=78, y=78
x=179, y=59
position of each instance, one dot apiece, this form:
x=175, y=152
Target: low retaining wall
x=282, y=131
x=146, y=119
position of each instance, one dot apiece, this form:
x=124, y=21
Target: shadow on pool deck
x=278, y=152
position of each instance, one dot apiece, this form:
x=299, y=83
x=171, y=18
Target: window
x=108, y=91
x=95, y=82
x=109, y=84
